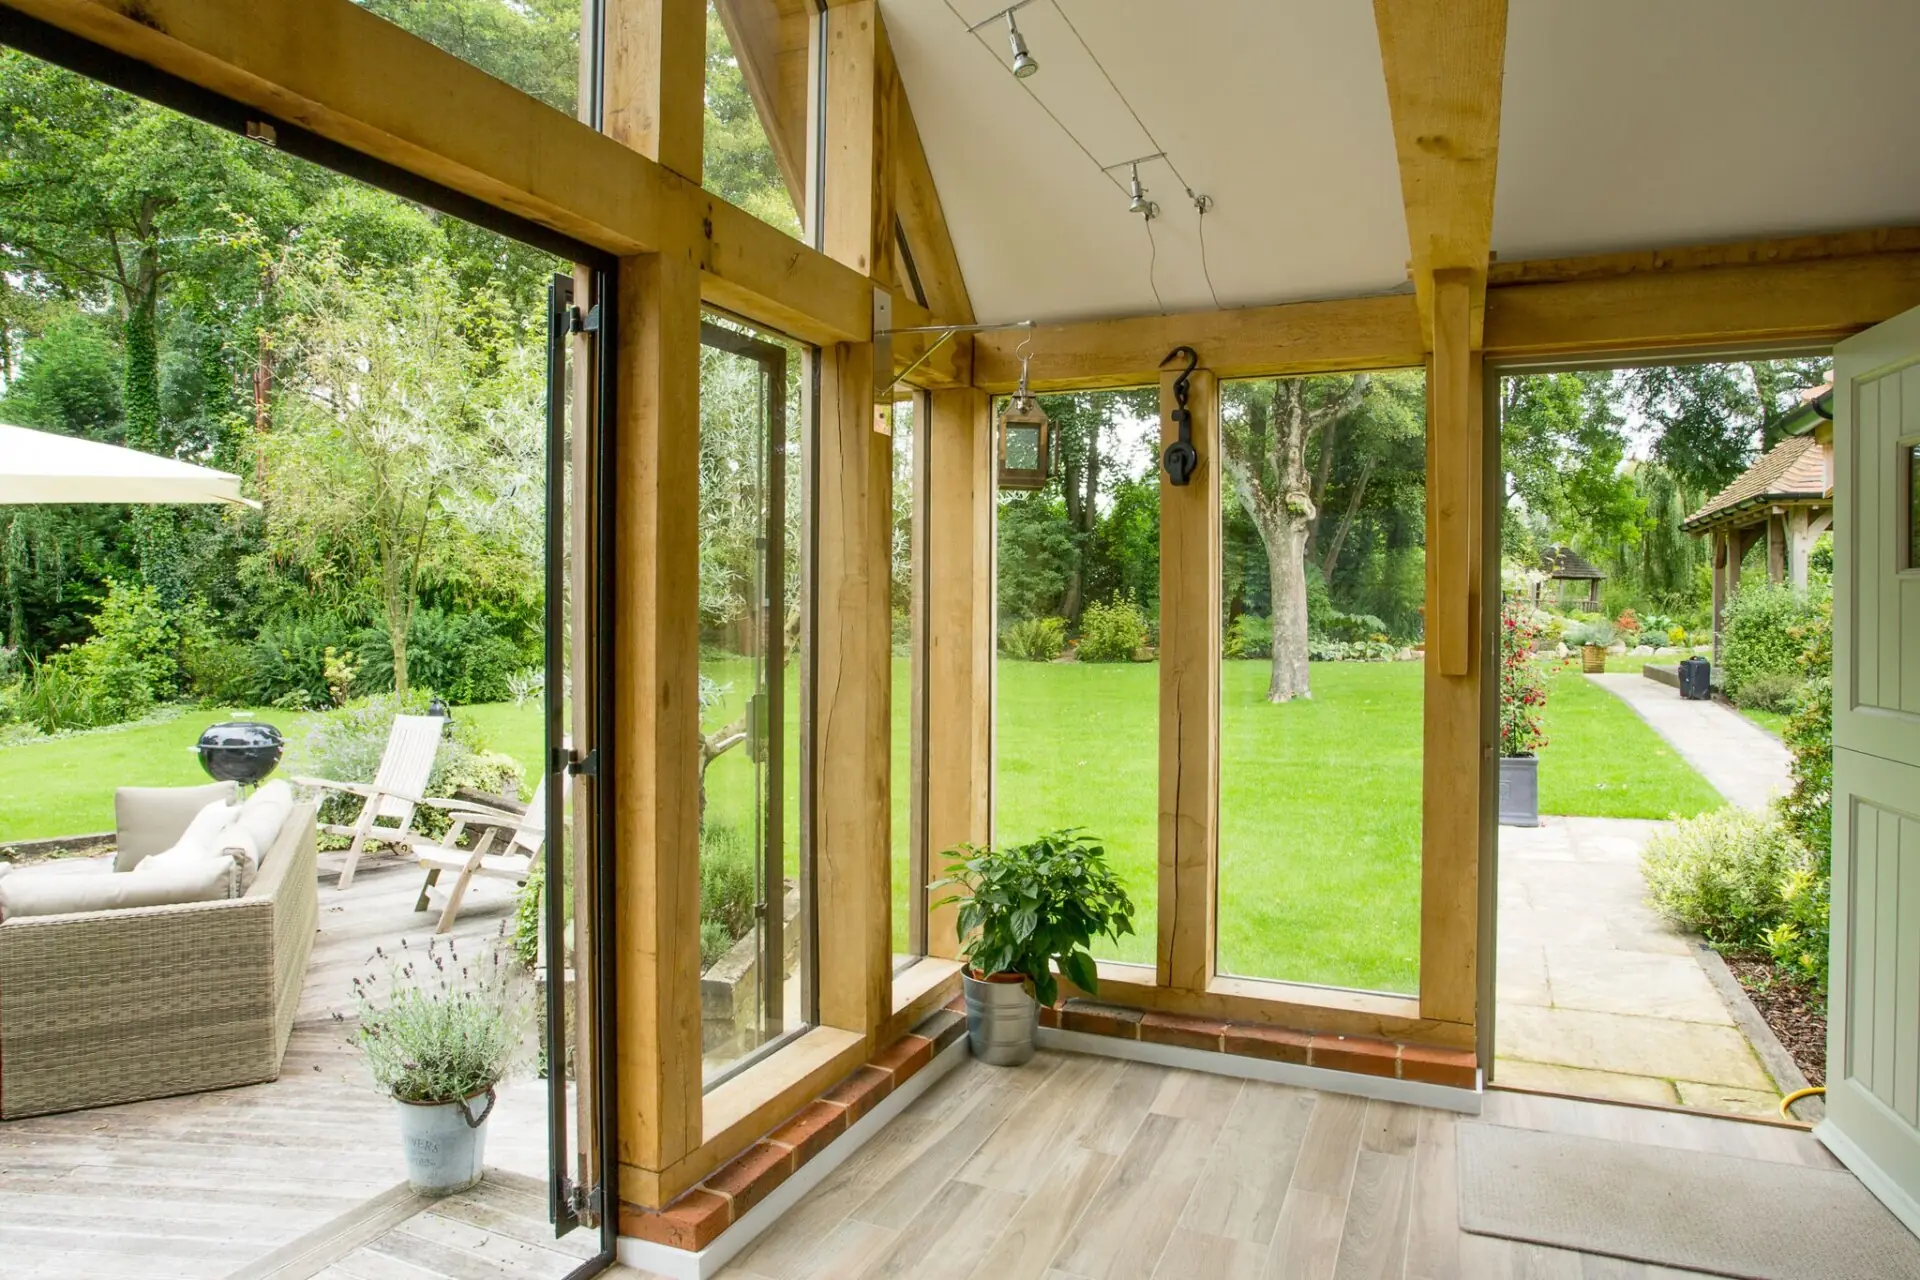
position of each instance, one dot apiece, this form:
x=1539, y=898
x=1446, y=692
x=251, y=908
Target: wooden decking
x=201, y=1186
x=1080, y=1168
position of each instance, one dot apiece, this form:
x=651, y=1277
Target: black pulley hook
x=1181, y=459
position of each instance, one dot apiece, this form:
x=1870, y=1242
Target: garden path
x=1744, y=762
x=1600, y=997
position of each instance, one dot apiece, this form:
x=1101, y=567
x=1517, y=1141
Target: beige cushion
x=261, y=816
x=150, y=819
x=207, y=878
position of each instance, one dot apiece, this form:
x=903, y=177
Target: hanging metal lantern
x=1025, y=438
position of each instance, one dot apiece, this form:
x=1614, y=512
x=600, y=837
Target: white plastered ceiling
x=1626, y=124
x=1275, y=110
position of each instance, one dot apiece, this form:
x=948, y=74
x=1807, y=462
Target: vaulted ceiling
x=1630, y=124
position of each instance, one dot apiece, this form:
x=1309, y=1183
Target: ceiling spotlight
x=1140, y=204
x=1024, y=63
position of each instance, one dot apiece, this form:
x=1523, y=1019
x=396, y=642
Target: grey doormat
x=1723, y=1215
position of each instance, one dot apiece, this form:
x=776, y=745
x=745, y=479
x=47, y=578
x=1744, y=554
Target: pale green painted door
x=1873, y=1035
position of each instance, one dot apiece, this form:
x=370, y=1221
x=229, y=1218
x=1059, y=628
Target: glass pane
x=1076, y=695
x=1023, y=448
x=752, y=917
x=533, y=45
x=1913, y=506
x=1324, y=581
x=909, y=875
x=739, y=162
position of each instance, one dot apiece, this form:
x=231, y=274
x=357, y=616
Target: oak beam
x=1455, y=750
x=1189, y=737
x=655, y=80
x=857, y=216
x=1293, y=338
x=959, y=593
x=772, y=40
x=1796, y=301
x=1444, y=65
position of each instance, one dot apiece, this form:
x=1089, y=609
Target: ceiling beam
x=1444, y=64
x=1661, y=313
x=1295, y=338
x=1807, y=291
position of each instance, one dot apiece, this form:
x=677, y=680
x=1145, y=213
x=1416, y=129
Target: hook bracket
x=1181, y=458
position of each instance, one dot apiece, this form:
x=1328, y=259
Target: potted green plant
x=1592, y=639
x=1025, y=909
x=1523, y=697
x=440, y=1031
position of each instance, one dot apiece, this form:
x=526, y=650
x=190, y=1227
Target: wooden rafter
x=772, y=40
x=924, y=222
x=1444, y=65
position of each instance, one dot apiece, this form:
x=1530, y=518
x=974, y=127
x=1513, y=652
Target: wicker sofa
x=114, y=1006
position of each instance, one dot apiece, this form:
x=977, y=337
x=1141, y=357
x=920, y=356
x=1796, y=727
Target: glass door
x=575, y=965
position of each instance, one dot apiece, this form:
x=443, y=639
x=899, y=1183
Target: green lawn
x=1774, y=722
x=1320, y=800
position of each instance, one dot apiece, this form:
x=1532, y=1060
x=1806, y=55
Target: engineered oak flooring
x=1084, y=1168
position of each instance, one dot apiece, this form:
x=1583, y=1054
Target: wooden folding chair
x=398, y=788
x=514, y=862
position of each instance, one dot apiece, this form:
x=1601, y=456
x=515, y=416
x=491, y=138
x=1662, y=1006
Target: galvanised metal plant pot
x=1519, y=791
x=1003, y=1020
x=445, y=1143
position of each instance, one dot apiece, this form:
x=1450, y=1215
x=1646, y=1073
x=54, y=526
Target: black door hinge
x=584, y=1202
x=587, y=765
x=583, y=321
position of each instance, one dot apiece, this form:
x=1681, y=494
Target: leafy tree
x=1562, y=442
x=1714, y=418
x=737, y=161
x=533, y=45
x=405, y=452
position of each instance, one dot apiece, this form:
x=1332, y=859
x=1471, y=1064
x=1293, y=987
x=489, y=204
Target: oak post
x=1457, y=747
x=959, y=576
x=1189, y=804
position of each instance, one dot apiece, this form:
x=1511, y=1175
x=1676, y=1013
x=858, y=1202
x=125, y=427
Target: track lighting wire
x=1153, y=260
x=1106, y=171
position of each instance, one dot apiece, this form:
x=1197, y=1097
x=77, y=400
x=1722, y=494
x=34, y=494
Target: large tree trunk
x=1286, y=543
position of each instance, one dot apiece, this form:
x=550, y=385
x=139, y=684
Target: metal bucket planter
x=1593, y=658
x=1003, y=1020
x=1519, y=791
x=445, y=1143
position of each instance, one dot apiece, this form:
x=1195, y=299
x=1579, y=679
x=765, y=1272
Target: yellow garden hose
x=1795, y=1096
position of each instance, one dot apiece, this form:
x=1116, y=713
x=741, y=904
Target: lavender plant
x=437, y=1024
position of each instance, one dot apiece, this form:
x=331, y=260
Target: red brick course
x=904, y=1057
x=692, y=1222
x=1364, y=1055
x=747, y=1180
x=808, y=1133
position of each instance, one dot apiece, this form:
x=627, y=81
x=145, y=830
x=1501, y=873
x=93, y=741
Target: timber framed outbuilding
x=888, y=122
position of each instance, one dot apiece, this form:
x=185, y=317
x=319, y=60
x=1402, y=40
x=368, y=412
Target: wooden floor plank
x=1125, y=1229
x=1030, y=1241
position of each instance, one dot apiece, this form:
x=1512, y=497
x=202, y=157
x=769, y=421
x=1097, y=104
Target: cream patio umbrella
x=45, y=467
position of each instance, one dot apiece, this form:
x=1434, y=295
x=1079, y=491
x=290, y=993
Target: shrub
x=1800, y=942
x=526, y=915
x=463, y=657
x=1352, y=626
x=218, y=670
x=1677, y=637
x=1721, y=874
x=1763, y=629
x=729, y=890
x=1111, y=632
x=1373, y=650
x=1549, y=628
x=1523, y=690
x=437, y=1026
x=1769, y=691
x=289, y=659
x=525, y=685
x=1036, y=639
x=1599, y=633
x=1249, y=636
x=1807, y=808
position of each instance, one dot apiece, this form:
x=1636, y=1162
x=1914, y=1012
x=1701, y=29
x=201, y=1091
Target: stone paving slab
x=1597, y=995
x=1663, y=1048
x=1745, y=763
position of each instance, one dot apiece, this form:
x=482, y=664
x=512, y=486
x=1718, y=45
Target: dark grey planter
x=1519, y=791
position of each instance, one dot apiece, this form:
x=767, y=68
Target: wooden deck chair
x=398, y=788
x=513, y=862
